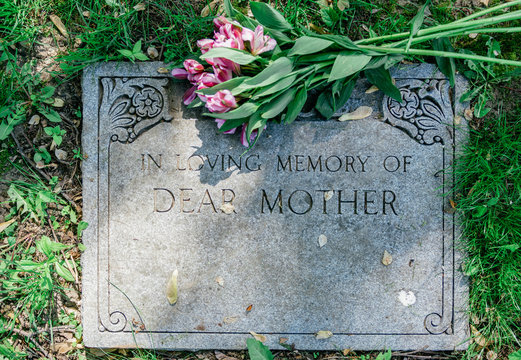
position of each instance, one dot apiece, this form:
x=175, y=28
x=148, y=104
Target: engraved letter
x=298, y=163
x=390, y=203
x=224, y=201
x=339, y=163
x=185, y=199
x=257, y=166
x=363, y=162
x=314, y=166
x=391, y=165
x=354, y=202
x=280, y=165
x=230, y=159
x=309, y=201
x=406, y=162
x=149, y=157
x=201, y=164
x=349, y=162
x=324, y=209
x=207, y=193
x=172, y=200
x=278, y=201
x=367, y=201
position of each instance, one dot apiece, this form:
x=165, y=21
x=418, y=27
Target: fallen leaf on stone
x=407, y=298
x=372, y=89
x=258, y=337
x=200, y=327
x=322, y=240
x=387, y=258
x=230, y=319
x=361, y=113
x=59, y=24
x=171, y=288
x=140, y=7
x=248, y=309
x=34, y=120
x=152, y=52
x=323, y=334
x=452, y=203
x=473, y=35
x=4, y=225
x=457, y=120
x=328, y=195
x=60, y=154
x=163, y=70
x=219, y=280
x=469, y=114
x=227, y=208
x=58, y=102
x=283, y=340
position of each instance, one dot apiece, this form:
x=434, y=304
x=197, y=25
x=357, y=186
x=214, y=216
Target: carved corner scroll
x=133, y=106
x=423, y=113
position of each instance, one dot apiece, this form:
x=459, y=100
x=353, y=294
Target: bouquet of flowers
x=261, y=69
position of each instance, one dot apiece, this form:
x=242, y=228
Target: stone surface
x=285, y=241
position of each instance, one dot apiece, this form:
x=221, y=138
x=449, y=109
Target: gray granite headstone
x=163, y=191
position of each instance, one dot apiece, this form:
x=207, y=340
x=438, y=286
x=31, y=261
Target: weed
x=56, y=133
x=135, y=53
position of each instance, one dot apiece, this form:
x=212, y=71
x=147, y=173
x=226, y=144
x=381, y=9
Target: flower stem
x=489, y=11
x=441, y=53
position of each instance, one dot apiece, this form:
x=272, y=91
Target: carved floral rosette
x=425, y=110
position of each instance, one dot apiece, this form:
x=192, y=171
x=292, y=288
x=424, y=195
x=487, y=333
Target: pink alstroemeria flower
x=193, y=66
x=221, y=102
x=259, y=42
x=206, y=81
x=205, y=45
x=222, y=73
x=220, y=21
x=189, y=95
x=229, y=36
x=253, y=135
x=180, y=74
x=220, y=122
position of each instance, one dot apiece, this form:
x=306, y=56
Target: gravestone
x=322, y=226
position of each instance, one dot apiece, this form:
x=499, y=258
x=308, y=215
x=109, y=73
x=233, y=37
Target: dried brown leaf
x=152, y=52
x=323, y=334
x=59, y=25
x=361, y=113
x=163, y=70
x=171, y=288
x=5, y=225
x=258, y=337
x=230, y=319
x=58, y=102
x=140, y=7
x=387, y=258
x=227, y=208
x=372, y=89
x=322, y=240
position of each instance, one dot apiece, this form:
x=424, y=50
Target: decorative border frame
x=131, y=115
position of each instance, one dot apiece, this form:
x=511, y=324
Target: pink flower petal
x=180, y=74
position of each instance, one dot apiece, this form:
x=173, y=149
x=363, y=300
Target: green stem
x=453, y=33
x=488, y=11
x=442, y=54
x=451, y=26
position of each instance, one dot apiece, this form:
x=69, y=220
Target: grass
x=489, y=191
x=37, y=275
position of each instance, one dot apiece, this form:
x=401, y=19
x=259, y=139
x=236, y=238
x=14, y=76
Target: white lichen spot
x=407, y=298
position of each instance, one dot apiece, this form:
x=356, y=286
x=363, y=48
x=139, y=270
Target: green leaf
x=273, y=72
x=63, y=272
x=229, y=9
x=50, y=114
x=324, y=105
x=275, y=107
x=6, y=128
x=381, y=78
x=141, y=56
x=232, y=124
x=447, y=65
x=126, y=53
x=227, y=85
x=511, y=247
x=515, y=355
x=238, y=56
x=255, y=122
x=348, y=63
x=342, y=41
x=470, y=94
x=245, y=110
x=296, y=106
x=480, y=110
x=47, y=92
x=493, y=201
x=269, y=17
x=480, y=211
x=384, y=356
x=416, y=23
x=329, y=16
x=309, y=45
x=257, y=350
x=282, y=84
x=137, y=48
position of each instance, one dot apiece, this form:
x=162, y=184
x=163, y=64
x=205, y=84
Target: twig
x=509, y=88
x=29, y=336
